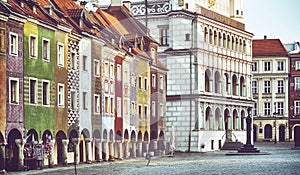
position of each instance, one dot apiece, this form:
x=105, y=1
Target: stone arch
x=243, y=120
x=235, y=119
x=13, y=150
x=31, y=136
x=133, y=136
x=118, y=135
x=232, y=43
x=207, y=80
x=224, y=41
x=297, y=135
x=226, y=75
x=126, y=134
x=97, y=134
x=105, y=134
x=46, y=135
x=227, y=119
x=60, y=135
x=146, y=136
x=153, y=135
x=234, y=84
x=209, y=123
x=140, y=136
x=217, y=79
x=242, y=86
x=160, y=144
x=205, y=34
x=228, y=42
x=268, y=131
x=218, y=117
x=85, y=132
x=210, y=36
x=215, y=38
x=219, y=39
x=111, y=135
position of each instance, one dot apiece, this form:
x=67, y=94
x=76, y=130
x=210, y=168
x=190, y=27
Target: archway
x=297, y=136
x=153, y=135
x=140, y=136
x=234, y=85
x=243, y=118
x=268, y=131
x=217, y=82
x=32, y=136
x=161, y=144
x=226, y=120
x=82, y=145
x=96, y=135
x=235, y=120
x=126, y=134
x=207, y=81
x=281, y=133
x=218, y=119
x=60, y=135
x=118, y=135
x=209, y=123
x=242, y=86
x=73, y=134
x=12, y=163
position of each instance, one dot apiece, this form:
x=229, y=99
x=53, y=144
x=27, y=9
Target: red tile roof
x=268, y=47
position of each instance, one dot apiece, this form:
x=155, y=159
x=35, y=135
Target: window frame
x=297, y=83
x=96, y=104
x=96, y=68
x=164, y=36
x=280, y=65
x=35, y=91
x=267, y=108
x=267, y=66
x=60, y=54
x=16, y=92
x=267, y=87
x=254, y=87
x=60, y=95
x=46, y=102
x=254, y=66
x=33, y=50
x=280, y=86
x=297, y=107
x=13, y=45
x=47, y=48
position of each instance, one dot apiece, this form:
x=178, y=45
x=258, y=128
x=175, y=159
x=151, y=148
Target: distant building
x=270, y=88
x=292, y=47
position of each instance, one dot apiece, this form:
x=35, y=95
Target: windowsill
x=14, y=103
x=46, y=105
x=59, y=106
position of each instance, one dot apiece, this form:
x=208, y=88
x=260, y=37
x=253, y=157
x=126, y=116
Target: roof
x=268, y=47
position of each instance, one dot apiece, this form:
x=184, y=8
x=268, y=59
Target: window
x=254, y=109
x=84, y=61
x=33, y=91
x=297, y=107
x=164, y=36
x=111, y=71
x=161, y=82
x=297, y=83
x=84, y=101
x=297, y=65
x=46, y=92
x=254, y=66
x=46, y=49
x=106, y=69
x=280, y=65
x=13, y=44
x=33, y=46
x=119, y=107
x=267, y=108
x=267, y=88
x=126, y=77
x=140, y=82
x=97, y=68
x=73, y=61
x=280, y=108
x=119, y=72
x=132, y=108
x=97, y=104
x=126, y=107
x=267, y=66
x=280, y=87
x=60, y=55
x=254, y=87
x=112, y=105
x=60, y=95
x=146, y=83
x=106, y=105
x=73, y=100
x=13, y=91
x=161, y=108
x=188, y=37
x=153, y=109
x=153, y=80
x=145, y=111
x=140, y=111
x=133, y=80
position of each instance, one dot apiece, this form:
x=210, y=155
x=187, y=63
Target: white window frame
x=119, y=74
x=153, y=109
x=111, y=72
x=60, y=95
x=33, y=46
x=280, y=108
x=145, y=111
x=125, y=107
x=132, y=107
x=84, y=100
x=35, y=91
x=106, y=69
x=254, y=66
x=267, y=66
x=96, y=68
x=106, y=104
x=146, y=84
x=13, y=44
x=254, y=87
x=161, y=82
x=280, y=65
x=140, y=113
x=140, y=83
x=280, y=86
x=47, y=93
x=96, y=104
x=297, y=65
x=297, y=107
x=153, y=83
x=267, y=108
x=297, y=83
x=16, y=92
x=46, y=56
x=60, y=54
x=267, y=86
x=112, y=105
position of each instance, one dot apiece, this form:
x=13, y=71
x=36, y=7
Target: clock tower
x=237, y=10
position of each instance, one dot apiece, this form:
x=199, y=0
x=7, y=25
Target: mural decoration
x=154, y=8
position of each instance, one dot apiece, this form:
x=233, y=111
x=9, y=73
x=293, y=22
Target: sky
x=278, y=19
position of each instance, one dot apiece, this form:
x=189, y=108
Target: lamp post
x=275, y=135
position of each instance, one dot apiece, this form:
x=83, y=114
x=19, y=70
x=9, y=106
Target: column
x=51, y=154
x=116, y=149
x=20, y=145
x=145, y=148
x=153, y=147
x=98, y=150
x=139, y=148
x=76, y=142
x=120, y=150
x=133, y=149
x=2, y=158
x=65, y=151
x=111, y=151
x=105, y=151
x=126, y=148
x=88, y=146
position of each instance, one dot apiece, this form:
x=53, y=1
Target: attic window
x=50, y=11
x=22, y=4
x=34, y=9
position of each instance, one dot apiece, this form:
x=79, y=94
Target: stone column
x=52, y=156
x=126, y=148
x=76, y=142
x=65, y=151
x=98, y=145
x=20, y=145
x=2, y=158
x=88, y=146
x=105, y=150
x=133, y=146
x=111, y=151
x=139, y=148
x=153, y=147
x=145, y=148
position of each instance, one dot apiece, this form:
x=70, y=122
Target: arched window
x=228, y=42
x=242, y=86
x=215, y=38
x=234, y=84
x=205, y=35
x=207, y=81
x=217, y=79
x=220, y=39
x=224, y=41
x=210, y=36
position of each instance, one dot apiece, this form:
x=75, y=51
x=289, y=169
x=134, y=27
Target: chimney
x=116, y=2
x=265, y=36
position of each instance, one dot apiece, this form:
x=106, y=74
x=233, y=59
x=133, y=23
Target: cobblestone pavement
x=282, y=160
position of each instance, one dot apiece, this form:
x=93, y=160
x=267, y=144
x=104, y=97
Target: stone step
x=229, y=145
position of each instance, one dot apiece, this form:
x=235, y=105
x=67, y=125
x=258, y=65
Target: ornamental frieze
x=153, y=8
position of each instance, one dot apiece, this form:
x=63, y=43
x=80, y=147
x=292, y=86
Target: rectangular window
x=13, y=90
x=254, y=66
x=119, y=72
x=297, y=83
x=97, y=68
x=46, y=49
x=13, y=44
x=146, y=83
x=153, y=109
x=132, y=108
x=73, y=100
x=60, y=55
x=119, y=106
x=146, y=112
x=161, y=82
x=106, y=69
x=161, y=109
x=140, y=111
x=267, y=108
x=112, y=106
x=126, y=107
x=254, y=109
x=254, y=87
x=164, y=36
x=33, y=44
x=33, y=91
x=61, y=95
x=106, y=105
x=280, y=86
x=267, y=66
x=297, y=107
x=140, y=82
x=84, y=61
x=73, y=61
x=297, y=65
x=111, y=71
x=46, y=92
x=280, y=65
x=280, y=108
x=97, y=104
x=126, y=77
x=153, y=80
x=267, y=87
x=84, y=101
